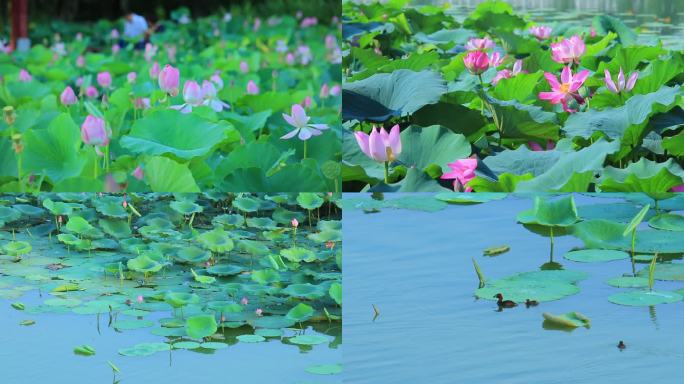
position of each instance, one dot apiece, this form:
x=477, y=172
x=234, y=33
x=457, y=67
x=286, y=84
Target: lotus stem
x=305, y=141
x=551, y=232
x=632, y=255
x=386, y=172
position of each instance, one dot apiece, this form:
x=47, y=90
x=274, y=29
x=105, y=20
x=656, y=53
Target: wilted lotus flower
x=169, y=78
x=541, y=32
x=380, y=145
x=94, y=131
x=131, y=77
x=210, y=97
x=621, y=85
x=192, y=95
x=479, y=44
x=104, y=79
x=566, y=90
x=300, y=121
x=476, y=62
x=244, y=67
x=80, y=61
x=252, y=88
x=154, y=70
x=25, y=76
x=462, y=171
x=138, y=173
x=68, y=97
x=91, y=92
x=568, y=51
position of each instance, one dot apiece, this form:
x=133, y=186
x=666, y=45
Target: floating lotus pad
x=645, y=298
x=216, y=241
x=144, y=349
x=225, y=270
x=538, y=285
x=469, y=198
x=84, y=350
x=273, y=322
x=193, y=255
x=251, y=338
x=186, y=345
x=670, y=272
x=213, y=345
x=570, y=319
x=596, y=255
x=185, y=207
x=180, y=299
x=628, y=282
x=667, y=222
x=132, y=324
x=246, y=204
x=496, y=250
x=308, y=339
x=606, y=234
x=325, y=369
x=144, y=264
x=551, y=213
x=261, y=223
x=306, y=291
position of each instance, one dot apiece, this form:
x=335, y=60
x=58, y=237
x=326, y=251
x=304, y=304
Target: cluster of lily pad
x=199, y=271
x=501, y=102
x=228, y=101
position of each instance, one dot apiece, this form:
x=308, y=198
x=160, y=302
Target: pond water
x=655, y=19
x=416, y=268
x=189, y=289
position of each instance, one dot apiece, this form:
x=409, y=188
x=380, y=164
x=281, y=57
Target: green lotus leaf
x=213, y=345
x=225, y=270
x=247, y=204
x=335, y=292
x=596, y=255
x=17, y=248
x=216, y=241
x=113, y=209
x=671, y=272
x=199, y=327
x=166, y=175
x=79, y=225
x=144, y=349
x=265, y=332
x=251, y=338
x=202, y=279
x=144, y=264
x=552, y=213
x=180, y=299
x=228, y=220
x=325, y=369
x=297, y=254
x=607, y=234
x=185, y=207
x=261, y=223
x=132, y=324
x=193, y=255
x=650, y=177
x=667, y=222
x=170, y=132
x=305, y=291
x=628, y=282
x=308, y=339
x=308, y=200
x=645, y=298
x=539, y=286
x=58, y=207
x=9, y=214
x=301, y=312
x=570, y=320
x=252, y=247
x=84, y=350
x=265, y=276
x=325, y=236
x=116, y=228
x=468, y=198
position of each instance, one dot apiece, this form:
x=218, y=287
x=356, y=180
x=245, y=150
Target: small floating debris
x=497, y=250
x=84, y=350
x=377, y=312
x=26, y=323
x=567, y=320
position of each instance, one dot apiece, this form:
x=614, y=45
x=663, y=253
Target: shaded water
x=416, y=268
x=656, y=20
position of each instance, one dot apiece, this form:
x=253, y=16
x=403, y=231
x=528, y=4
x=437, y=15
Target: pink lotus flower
x=592, y=32
x=244, y=67
x=540, y=32
x=169, y=79
x=621, y=85
x=115, y=49
x=211, y=99
x=252, y=88
x=94, y=131
x=154, y=70
x=325, y=91
x=507, y=73
x=114, y=34
x=150, y=52
x=68, y=97
x=290, y=58
x=495, y=59
x=462, y=171
x=476, y=62
x=306, y=103
x=91, y=92
x=140, y=299
x=568, y=51
x=244, y=301
x=259, y=312
x=80, y=61
x=679, y=188
x=300, y=121
x=479, y=44
x=104, y=79
x=335, y=90
x=566, y=90
x=25, y=76
x=192, y=95
x=131, y=77
x=380, y=145
x=216, y=79
x=142, y=102
x=308, y=22
x=295, y=222
x=138, y=173
x=538, y=148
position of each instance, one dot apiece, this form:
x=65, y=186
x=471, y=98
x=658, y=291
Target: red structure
x=19, y=21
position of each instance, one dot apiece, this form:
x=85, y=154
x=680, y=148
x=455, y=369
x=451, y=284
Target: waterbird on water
x=531, y=303
x=621, y=345
x=504, y=303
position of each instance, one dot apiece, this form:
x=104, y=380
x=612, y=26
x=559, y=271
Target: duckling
x=531, y=303
x=504, y=303
x=621, y=345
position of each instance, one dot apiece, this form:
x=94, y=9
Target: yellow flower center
x=565, y=87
